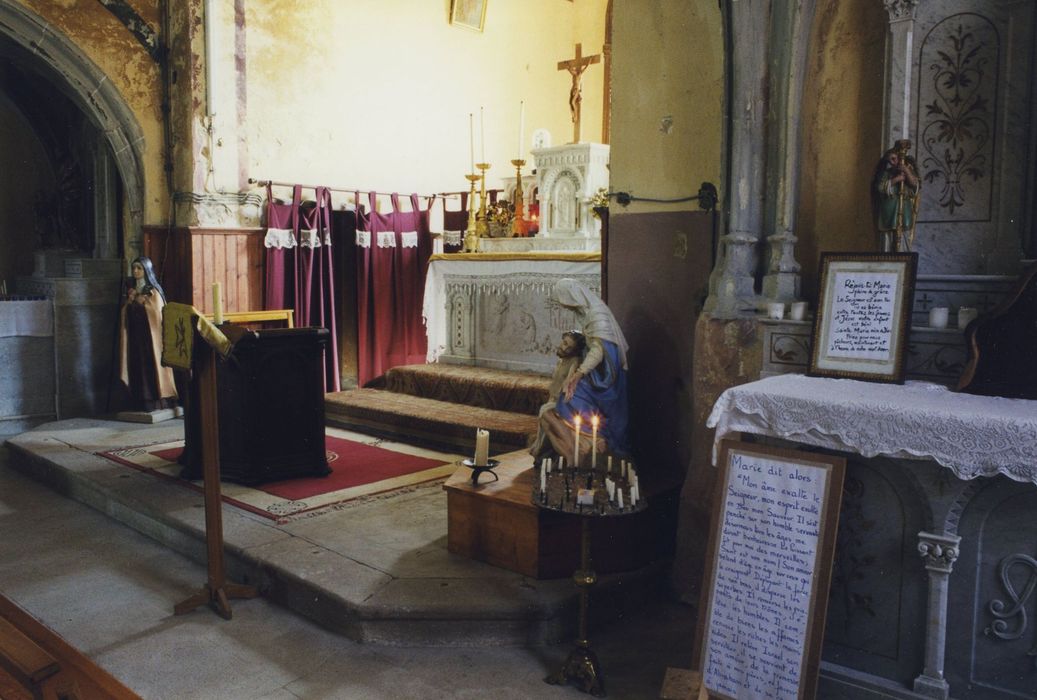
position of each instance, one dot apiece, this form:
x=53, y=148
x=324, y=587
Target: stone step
x=497, y=389
x=431, y=421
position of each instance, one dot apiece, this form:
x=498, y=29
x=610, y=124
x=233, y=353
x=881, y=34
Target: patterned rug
x=362, y=467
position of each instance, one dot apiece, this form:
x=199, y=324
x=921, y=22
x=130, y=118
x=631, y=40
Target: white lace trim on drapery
x=386, y=239
x=452, y=237
x=279, y=238
x=409, y=239
x=311, y=238
x=363, y=239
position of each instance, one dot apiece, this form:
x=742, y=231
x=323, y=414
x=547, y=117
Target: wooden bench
x=24, y=660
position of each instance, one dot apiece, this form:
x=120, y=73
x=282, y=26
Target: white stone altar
x=494, y=310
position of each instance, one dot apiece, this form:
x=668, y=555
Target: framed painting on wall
x=863, y=314
x=470, y=14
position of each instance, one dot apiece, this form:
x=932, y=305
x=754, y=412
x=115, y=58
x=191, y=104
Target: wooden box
x=496, y=522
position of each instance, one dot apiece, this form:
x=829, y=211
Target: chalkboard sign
x=863, y=313
x=765, y=590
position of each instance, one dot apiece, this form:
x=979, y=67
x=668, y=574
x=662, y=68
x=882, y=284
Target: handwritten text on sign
x=764, y=570
x=861, y=315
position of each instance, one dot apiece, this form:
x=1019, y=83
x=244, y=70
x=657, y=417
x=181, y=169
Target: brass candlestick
x=471, y=234
x=481, y=227
x=518, y=225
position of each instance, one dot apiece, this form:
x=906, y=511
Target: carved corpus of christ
x=576, y=67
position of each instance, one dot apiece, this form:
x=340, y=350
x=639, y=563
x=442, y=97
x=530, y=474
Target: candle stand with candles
x=471, y=234
x=481, y=227
x=588, y=493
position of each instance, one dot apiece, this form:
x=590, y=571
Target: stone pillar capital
x=939, y=552
x=900, y=10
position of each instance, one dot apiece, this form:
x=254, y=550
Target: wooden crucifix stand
x=217, y=591
x=576, y=66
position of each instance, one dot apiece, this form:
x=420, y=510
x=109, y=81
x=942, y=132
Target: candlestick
x=576, y=448
x=481, y=226
x=594, y=441
x=518, y=224
x=217, y=304
x=522, y=125
x=482, y=447
x=471, y=234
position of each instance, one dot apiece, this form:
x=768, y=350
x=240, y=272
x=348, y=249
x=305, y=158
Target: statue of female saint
x=140, y=341
x=895, y=188
x=590, y=380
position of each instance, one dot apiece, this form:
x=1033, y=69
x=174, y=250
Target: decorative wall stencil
x=1010, y=618
x=957, y=112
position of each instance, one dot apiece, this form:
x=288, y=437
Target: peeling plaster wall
x=842, y=133
x=376, y=93
x=667, y=109
x=103, y=39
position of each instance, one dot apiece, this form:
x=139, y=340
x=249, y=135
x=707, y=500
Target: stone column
x=939, y=553
x=732, y=284
x=896, y=117
x=790, y=37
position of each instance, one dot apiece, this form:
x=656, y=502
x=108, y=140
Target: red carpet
x=358, y=469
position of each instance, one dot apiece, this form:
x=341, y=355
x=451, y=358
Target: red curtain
x=299, y=270
x=392, y=259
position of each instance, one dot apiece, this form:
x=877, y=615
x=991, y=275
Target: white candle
x=543, y=478
x=594, y=441
x=619, y=498
x=482, y=136
x=482, y=447
x=471, y=143
x=576, y=447
x=608, y=465
x=561, y=462
x=217, y=304
x=522, y=126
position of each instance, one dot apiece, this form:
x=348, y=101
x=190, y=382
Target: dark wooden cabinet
x=271, y=408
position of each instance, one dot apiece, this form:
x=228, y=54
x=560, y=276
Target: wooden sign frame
x=841, y=309
x=751, y=603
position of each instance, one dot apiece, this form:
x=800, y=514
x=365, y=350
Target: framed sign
x=768, y=568
x=470, y=14
x=863, y=315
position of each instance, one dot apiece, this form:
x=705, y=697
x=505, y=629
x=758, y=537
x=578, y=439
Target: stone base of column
x=932, y=687
x=732, y=286
x=781, y=283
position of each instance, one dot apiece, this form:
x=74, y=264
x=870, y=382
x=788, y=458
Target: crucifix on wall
x=576, y=67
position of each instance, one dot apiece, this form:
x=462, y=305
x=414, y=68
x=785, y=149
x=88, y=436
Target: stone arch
x=76, y=75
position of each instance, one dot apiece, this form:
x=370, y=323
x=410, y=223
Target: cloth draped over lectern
x=393, y=250
x=299, y=267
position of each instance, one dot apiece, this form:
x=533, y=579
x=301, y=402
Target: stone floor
x=443, y=626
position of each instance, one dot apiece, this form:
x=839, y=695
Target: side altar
x=493, y=310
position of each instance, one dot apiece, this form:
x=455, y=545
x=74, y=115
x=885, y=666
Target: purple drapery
x=299, y=270
x=392, y=260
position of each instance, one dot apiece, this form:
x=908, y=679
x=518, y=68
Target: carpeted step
x=429, y=420
x=497, y=389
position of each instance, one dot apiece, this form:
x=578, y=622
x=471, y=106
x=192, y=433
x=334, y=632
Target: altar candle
x=594, y=441
x=522, y=126
x=482, y=136
x=482, y=447
x=576, y=447
x=471, y=143
x=619, y=498
x=217, y=304
x=543, y=478
x=608, y=465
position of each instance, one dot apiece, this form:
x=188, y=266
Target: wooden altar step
x=443, y=405
x=497, y=522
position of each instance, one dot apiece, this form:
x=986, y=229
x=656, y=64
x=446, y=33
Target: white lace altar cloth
x=970, y=435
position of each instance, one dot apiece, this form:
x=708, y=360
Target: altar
x=493, y=310
x=934, y=570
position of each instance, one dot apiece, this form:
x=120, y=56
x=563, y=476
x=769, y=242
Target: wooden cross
x=576, y=66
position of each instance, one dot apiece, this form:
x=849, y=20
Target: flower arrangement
x=600, y=200
x=499, y=217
